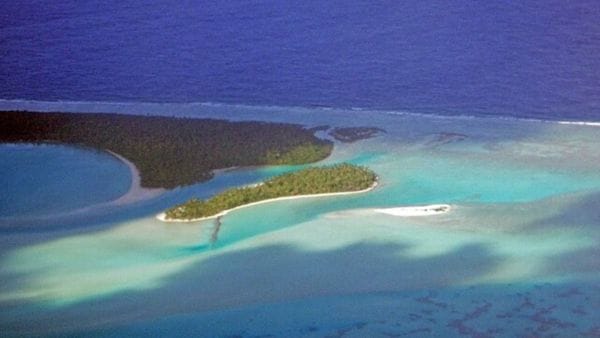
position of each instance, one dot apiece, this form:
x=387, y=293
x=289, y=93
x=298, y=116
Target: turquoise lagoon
x=517, y=255
x=39, y=180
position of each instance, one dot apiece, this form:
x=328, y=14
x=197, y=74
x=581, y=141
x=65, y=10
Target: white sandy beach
x=580, y=123
x=416, y=211
x=162, y=215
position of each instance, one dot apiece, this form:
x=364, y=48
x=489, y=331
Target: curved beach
x=136, y=192
x=162, y=215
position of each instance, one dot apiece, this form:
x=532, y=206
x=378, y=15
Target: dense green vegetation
x=330, y=179
x=169, y=151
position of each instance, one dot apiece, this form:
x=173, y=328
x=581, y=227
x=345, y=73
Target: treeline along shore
x=168, y=151
x=335, y=179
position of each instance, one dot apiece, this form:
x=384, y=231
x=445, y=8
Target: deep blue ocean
x=533, y=59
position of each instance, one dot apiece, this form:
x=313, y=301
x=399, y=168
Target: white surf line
x=122, y=107
x=416, y=211
x=136, y=192
x=581, y=123
x=163, y=216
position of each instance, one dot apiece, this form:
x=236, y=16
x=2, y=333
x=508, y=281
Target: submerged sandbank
x=416, y=211
x=162, y=215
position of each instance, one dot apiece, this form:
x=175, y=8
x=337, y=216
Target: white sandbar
x=416, y=211
x=163, y=217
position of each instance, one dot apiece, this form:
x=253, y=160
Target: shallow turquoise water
x=48, y=179
x=417, y=179
x=523, y=198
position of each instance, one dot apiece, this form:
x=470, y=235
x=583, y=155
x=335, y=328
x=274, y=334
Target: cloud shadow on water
x=582, y=214
x=262, y=275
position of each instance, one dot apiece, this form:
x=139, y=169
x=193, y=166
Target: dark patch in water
x=353, y=134
x=319, y=128
x=440, y=139
x=217, y=227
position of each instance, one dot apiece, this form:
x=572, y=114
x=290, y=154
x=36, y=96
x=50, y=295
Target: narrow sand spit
x=136, y=192
x=162, y=215
x=416, y=211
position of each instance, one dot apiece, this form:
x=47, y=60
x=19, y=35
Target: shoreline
x=162, y=215
x=136, y=192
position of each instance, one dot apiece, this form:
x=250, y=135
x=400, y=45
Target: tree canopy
x=315, y=180
x=168, y=151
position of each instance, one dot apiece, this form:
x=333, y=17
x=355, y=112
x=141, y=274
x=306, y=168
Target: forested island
x=340, y=178
x=169, y=151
